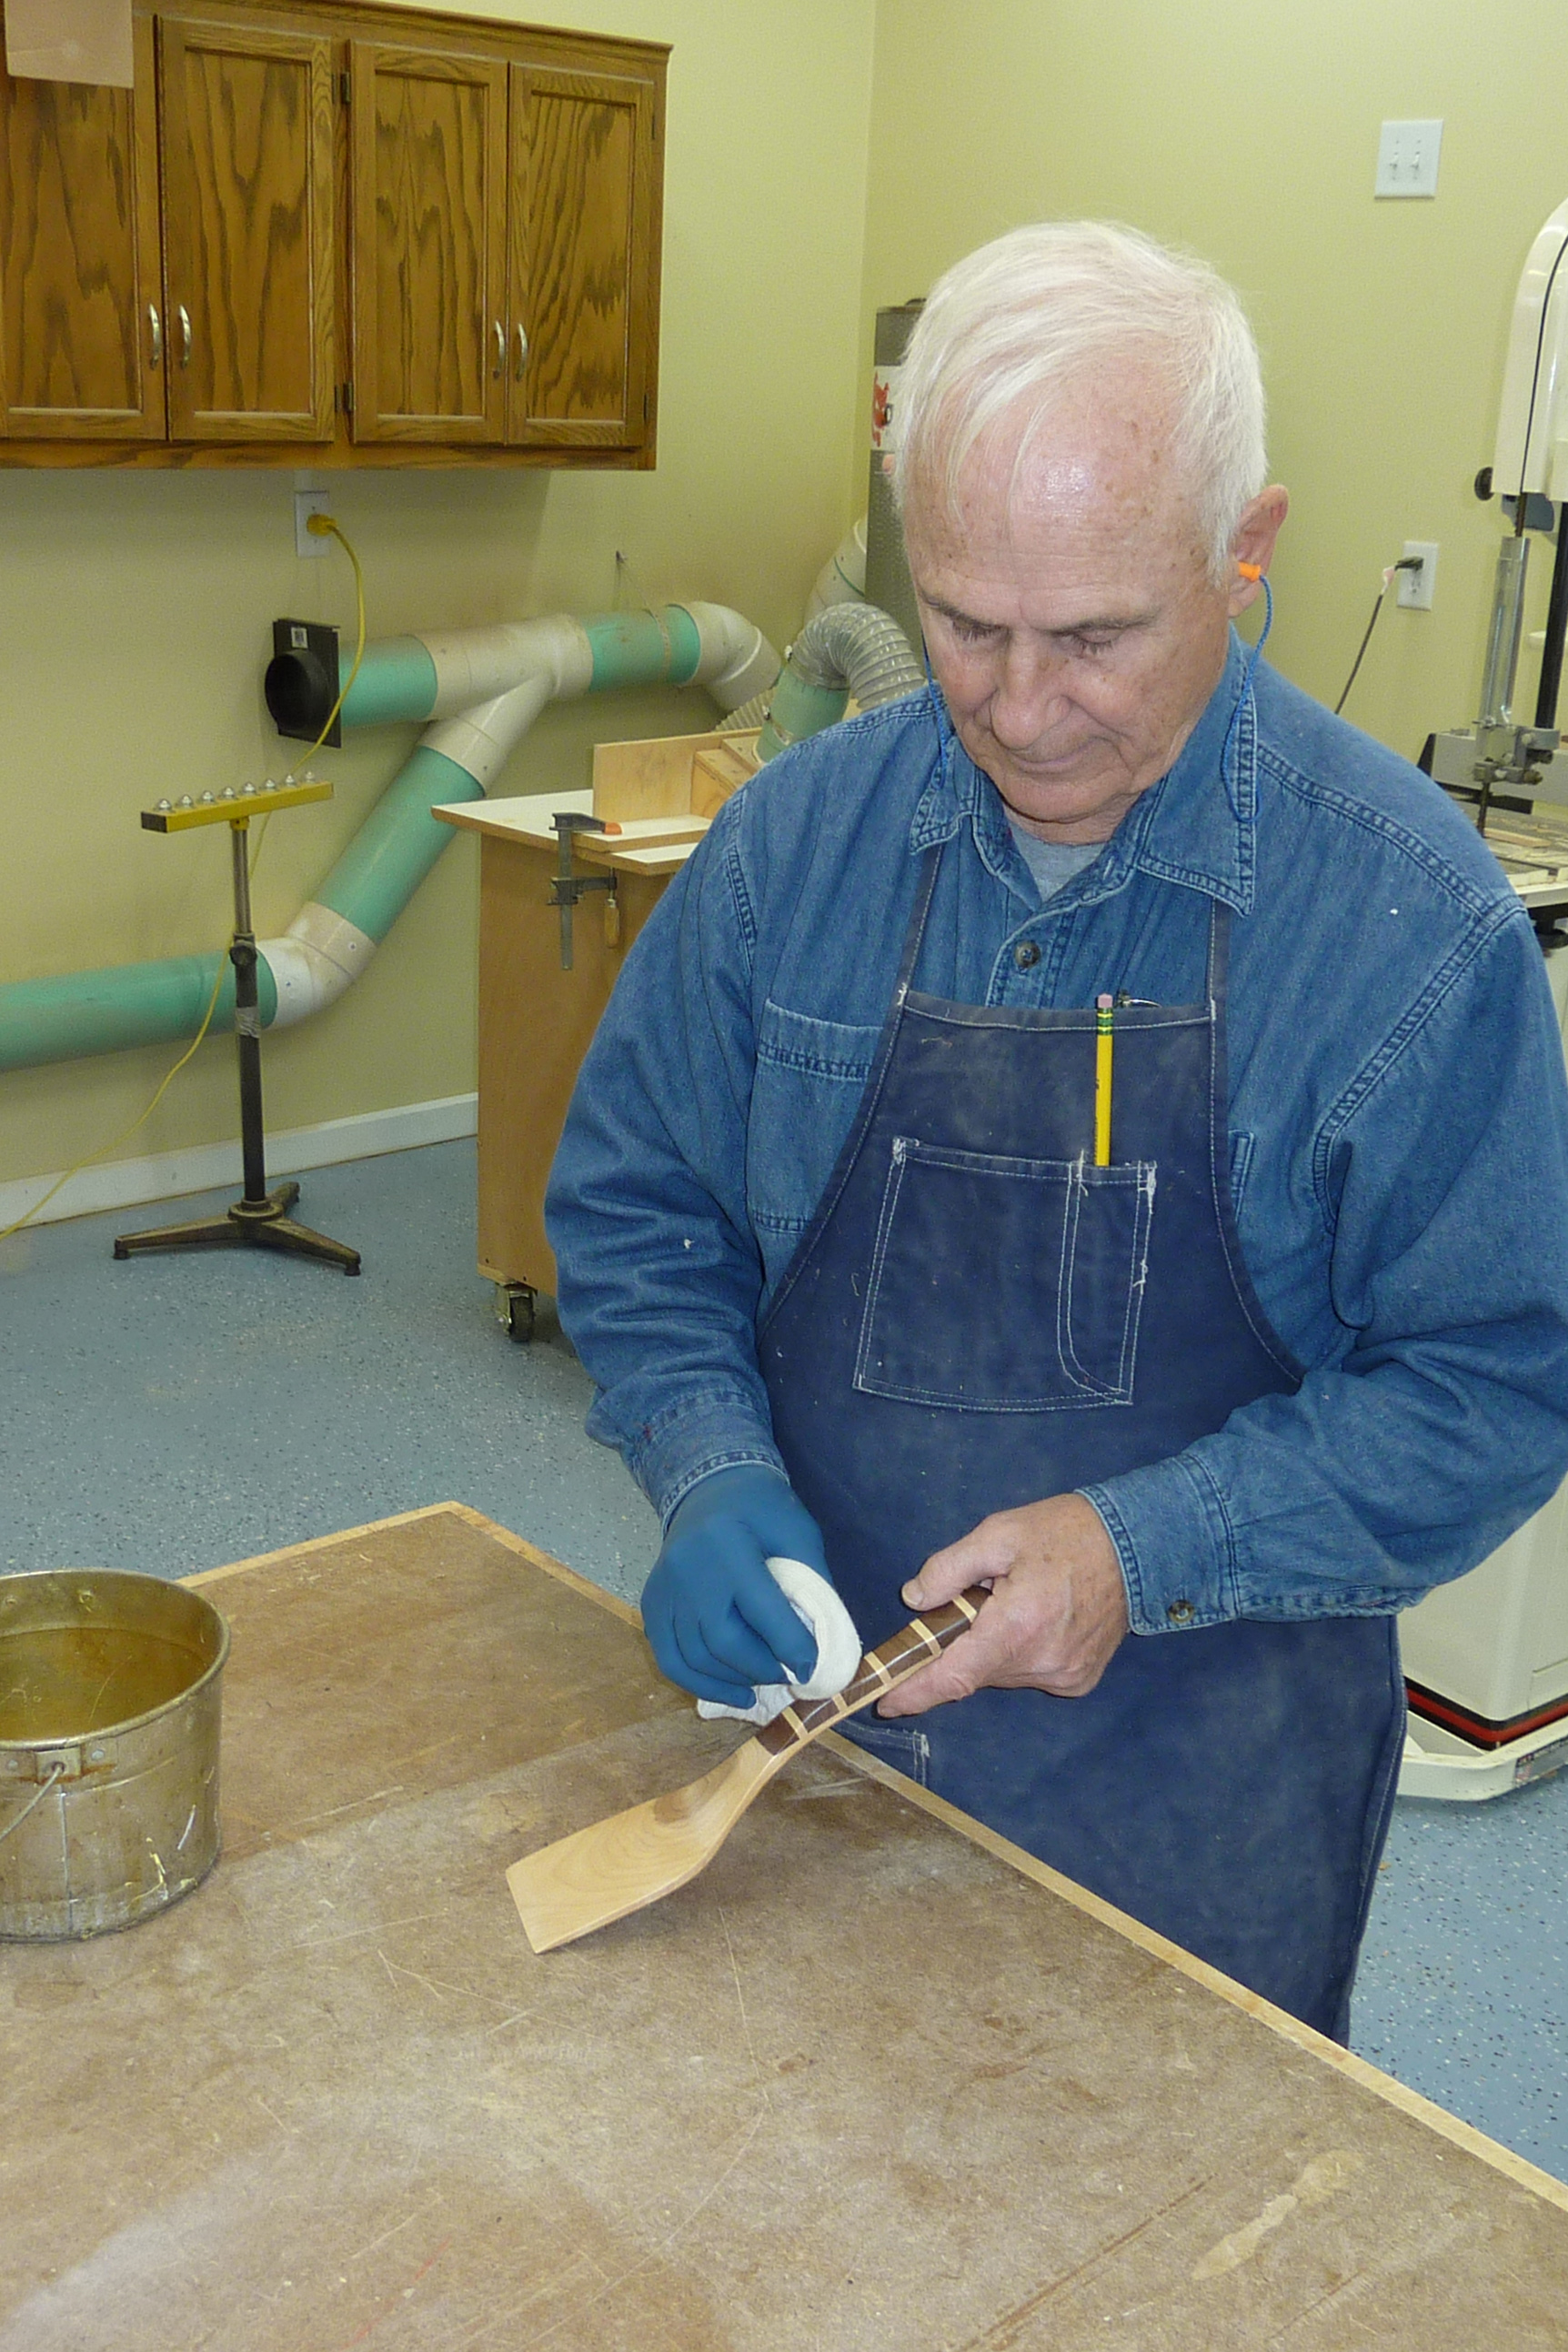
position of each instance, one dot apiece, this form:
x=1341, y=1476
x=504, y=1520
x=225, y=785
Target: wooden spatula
x=583, y=1881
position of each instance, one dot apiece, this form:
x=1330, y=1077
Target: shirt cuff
x=669, y=1454
x=1175, y=1543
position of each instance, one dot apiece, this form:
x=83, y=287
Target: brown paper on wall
x=70, y=40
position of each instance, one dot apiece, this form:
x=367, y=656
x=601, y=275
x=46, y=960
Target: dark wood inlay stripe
x=902, y=1654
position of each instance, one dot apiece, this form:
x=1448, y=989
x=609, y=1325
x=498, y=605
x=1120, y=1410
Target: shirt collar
x=1194, y=827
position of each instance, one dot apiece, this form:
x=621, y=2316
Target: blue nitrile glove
x=715, y=1620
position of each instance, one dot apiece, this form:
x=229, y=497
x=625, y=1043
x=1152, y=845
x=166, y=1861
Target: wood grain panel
x=430, y=208
x=536, y=1022
x=583, y=171
x=80, y=256
x=248, y=174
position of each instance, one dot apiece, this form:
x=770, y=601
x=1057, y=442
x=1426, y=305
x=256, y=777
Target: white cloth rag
x=818, y=1607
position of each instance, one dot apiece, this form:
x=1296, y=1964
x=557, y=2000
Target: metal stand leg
x=260, y=1217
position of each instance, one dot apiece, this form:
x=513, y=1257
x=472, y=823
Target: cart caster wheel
x=516, y=1305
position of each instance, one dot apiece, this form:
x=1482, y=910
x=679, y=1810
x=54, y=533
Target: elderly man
x=1205, y=1372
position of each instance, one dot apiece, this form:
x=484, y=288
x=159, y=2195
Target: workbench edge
x=1451, y=2127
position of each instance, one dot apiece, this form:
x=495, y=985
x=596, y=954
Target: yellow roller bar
x=231, y=807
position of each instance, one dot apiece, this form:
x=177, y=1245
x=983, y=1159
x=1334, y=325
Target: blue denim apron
x=978, y=1318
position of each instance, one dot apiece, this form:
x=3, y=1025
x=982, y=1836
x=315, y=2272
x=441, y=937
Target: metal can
x=111, y=1692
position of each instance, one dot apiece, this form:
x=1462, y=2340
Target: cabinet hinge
x=346, y=398
x=343, y=87
x=646, y=403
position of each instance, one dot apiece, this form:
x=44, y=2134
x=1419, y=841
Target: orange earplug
x=1253, y=572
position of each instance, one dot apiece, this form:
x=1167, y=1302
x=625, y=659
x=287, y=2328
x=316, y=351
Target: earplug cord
x=322, y=526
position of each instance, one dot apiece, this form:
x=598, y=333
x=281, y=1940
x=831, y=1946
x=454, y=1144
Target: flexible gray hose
x=843, y=649
x=859, y=646
x=749, y=714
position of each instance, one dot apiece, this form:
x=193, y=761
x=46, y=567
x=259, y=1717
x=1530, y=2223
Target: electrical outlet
x=1408, y=159
x=306, y=504
x=1417, y=588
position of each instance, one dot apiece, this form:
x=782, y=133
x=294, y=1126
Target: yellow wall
x=135, y=609
x=1247, y=130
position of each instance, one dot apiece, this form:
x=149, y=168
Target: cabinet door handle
x=501, y=349
x=183, y=316
x=156, y=324
x=521, y=350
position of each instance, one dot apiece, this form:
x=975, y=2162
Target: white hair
x=1036, y=313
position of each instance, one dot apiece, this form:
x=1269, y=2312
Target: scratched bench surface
x=864, y=2083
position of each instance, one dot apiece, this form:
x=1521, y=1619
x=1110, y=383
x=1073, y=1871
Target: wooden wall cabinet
x=428, y=196
x=366, y=234
x=581, y=179
x=81, y=291
x=247, y=117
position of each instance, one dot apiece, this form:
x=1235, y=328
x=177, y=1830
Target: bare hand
x=1057, y=1614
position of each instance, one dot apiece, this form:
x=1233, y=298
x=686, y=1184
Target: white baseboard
x=208, y=1167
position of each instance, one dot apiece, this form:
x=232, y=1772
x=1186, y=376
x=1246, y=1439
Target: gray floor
x=171, y=1414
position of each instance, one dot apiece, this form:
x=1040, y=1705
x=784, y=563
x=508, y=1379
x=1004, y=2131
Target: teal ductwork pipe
x=631, y=647
x=483, y=689
x=397, y=679
x=434, y=676
x=397, y=844
x=800, y=707
x=90, y=1012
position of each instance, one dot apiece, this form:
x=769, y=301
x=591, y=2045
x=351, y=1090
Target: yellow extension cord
x=323, y=526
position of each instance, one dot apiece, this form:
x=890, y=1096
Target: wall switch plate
x=1408, y=159
x=1417, y=588
x=306, y=504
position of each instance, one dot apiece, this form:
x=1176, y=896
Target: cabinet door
x=80, y=330
x=428, y=194
x=585, y=259
x=248, y=231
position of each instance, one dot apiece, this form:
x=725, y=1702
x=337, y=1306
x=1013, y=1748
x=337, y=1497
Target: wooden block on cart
x=658, y=777
x=722, y=769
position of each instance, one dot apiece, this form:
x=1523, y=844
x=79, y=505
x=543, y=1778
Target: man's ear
x=1252, y=546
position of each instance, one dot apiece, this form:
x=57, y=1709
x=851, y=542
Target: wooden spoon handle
x=903, y=1654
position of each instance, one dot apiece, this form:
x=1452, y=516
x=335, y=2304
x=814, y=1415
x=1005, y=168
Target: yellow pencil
x=1102, y=1051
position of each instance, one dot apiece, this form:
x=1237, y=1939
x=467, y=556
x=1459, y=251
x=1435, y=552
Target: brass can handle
x=501, y=349
x=156, y=325
x=521, y=350
x=183, y=316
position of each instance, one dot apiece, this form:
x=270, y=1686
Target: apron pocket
x=1005, y=1286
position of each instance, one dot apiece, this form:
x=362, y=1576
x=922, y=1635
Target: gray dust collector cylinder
x=887, y=573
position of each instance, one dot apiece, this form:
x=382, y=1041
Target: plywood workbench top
x=639, y=844
x=865, y=2083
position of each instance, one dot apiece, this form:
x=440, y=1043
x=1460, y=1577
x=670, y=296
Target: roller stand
x=261, y=1218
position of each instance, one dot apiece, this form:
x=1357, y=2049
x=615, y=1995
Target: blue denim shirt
x=1397, y=1107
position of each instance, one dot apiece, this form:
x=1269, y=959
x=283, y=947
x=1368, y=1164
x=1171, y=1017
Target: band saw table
x=873, y=2080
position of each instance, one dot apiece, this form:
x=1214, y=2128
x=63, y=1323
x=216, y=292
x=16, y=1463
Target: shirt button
x=1025, y=954
x=1181, y=1612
